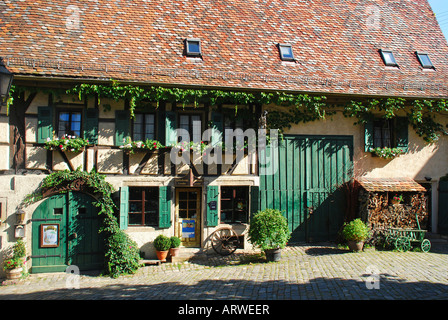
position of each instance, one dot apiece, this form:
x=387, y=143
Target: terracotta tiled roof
x=390, y=184
x=336, y=43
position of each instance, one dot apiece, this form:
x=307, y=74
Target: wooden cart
x=403, y=239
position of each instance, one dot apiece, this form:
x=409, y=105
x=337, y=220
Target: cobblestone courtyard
x=318, y=272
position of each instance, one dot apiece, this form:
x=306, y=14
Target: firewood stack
x=376, y=208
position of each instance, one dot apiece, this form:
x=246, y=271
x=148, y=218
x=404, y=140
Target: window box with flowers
x=131, y=147
x=67, y=144
x=387, y=153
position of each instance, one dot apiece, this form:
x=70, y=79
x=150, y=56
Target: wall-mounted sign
x=49, y=235
x=188, y=228
x=212, y=205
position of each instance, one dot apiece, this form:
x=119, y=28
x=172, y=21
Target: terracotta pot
x=13, y=274
x=273, y=254
x=174, y=252
x=355, y=246
x=161, y=255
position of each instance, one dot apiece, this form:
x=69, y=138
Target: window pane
x=286, y=52
x=193, y=46
x=135, y=219
x=426, y=62
x=64, y=116
x=389, y=58
x=196, y=128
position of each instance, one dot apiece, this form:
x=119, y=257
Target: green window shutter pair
x=45, y=124
x=401, y=134
x=164, y=207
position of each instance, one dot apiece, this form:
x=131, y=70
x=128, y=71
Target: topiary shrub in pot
x=162, y=244
x=269, y=231
x=355, y=232
x=175, y=244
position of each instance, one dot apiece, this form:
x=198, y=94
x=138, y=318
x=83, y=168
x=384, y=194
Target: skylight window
x=286, y=52
x=193, y=47
x=424, y=60
x=388, y=58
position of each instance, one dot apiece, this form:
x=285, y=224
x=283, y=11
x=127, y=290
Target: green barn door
x=304, y=181
x=65, y=232
x=85, y=244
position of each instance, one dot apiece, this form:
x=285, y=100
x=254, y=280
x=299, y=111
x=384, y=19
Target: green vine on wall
x=421, y=113
x=121, y=252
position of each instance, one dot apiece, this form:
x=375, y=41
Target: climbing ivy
x=421, y=114
x=121, y=252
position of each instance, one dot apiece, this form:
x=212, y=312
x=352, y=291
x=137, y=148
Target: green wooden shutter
x=124, y=207
x=218, y=127
x=122, y=126
x=91, y=125
x=368, y=136
x=44, y=124
x=254, y=200
x=212, y=212
x=164, y=207
x=170, y=128
x=401, y=133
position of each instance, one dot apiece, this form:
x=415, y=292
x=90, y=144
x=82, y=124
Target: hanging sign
x=188, y=227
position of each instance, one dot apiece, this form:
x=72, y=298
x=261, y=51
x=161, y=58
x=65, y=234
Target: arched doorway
x=65, y=232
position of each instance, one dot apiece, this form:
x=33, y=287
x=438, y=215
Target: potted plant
x=269, y=230
x=175, y=244
x=162, y=244
x=14, y=265
x=355, y=232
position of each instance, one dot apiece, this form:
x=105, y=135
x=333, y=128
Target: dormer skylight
x=424, y=60
x=193, y=47
x=285, y=52
x=388, y=58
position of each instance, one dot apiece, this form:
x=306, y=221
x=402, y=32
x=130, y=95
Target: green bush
x=175, y=242
x=269, y=230
x=122, y=254
x=355, y=230
x=162, y=243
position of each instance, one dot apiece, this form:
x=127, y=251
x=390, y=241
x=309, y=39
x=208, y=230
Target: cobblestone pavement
x=311, y=272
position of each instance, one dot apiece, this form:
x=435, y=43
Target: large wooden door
x=188, y=216
x=302, y=179
x=65, y=232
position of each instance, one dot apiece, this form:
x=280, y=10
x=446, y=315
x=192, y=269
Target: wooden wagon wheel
x=403, y=243
x=224, y=241
x=425, y=245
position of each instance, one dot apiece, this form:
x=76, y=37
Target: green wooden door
x=65, y=232
x=442, y=224
x=304, y=183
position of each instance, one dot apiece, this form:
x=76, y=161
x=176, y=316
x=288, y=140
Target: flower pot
x=273, y=254
x=174, y=252
x=355, y=246
x=14, y=274
x=161, y=255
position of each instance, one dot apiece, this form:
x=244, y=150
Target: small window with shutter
x=386, y=133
